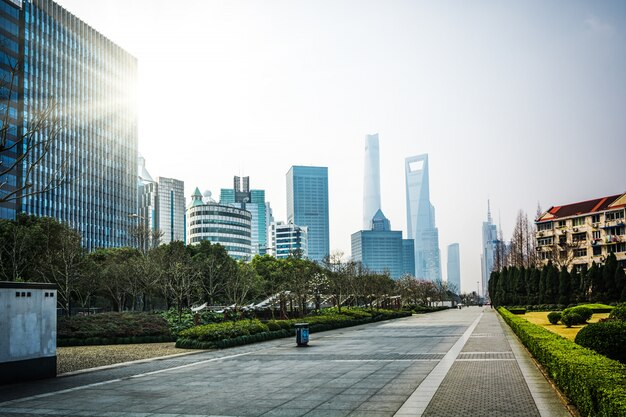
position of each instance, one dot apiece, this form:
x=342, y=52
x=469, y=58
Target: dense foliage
x=594, y=383
x=112, y=328
x=619, y=313
x=176, y=276
x=608, y=338
x=549, y=285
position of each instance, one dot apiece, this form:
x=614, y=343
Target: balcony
x=612, y=239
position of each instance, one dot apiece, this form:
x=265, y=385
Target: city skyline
x=470, y=84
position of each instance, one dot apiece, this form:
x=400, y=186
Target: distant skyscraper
x=490, y=243
x=161, y=205
x=371, y=180
x=89, y=84
x=421, y=219
x=454, y=267
x=286, y=240
x=172, y=208
x=307, y=205
x=381, y=249
x=254, y=201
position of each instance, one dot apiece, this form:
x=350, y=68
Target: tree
x=214, y=265
x=242, y=285
x=565, y=287
x=522, y=252
x=24, y=149
x=60, y=260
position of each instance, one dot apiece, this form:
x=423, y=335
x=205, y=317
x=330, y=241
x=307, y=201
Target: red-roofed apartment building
x=577, y=234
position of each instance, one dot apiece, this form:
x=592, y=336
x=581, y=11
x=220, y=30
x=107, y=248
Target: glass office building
x=9, y=102
x=454, y=268
x=87, y=83
x=243, y=197
x=420, y=219
x=383, y=250
x=307, y=205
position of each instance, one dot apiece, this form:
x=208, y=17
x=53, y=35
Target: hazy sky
x=519, y=102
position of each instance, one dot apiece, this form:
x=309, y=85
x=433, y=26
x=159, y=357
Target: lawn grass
x=540, y=318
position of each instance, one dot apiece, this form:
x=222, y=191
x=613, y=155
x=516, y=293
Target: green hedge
x=228, y=334
x=112, y=328
x=594, y=383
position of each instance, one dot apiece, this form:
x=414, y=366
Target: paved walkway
x=451, y=363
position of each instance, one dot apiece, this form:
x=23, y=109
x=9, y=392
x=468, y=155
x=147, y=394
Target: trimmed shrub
x=112, y=328
x=554, y=317
x=594, y=383
x=584, y=312
x=227, y=334
x=517, y=310
x=619, y=313
x=607, y=338
x=571, y=319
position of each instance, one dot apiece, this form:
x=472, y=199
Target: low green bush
x=554, y=317
x=619, y=313
x=571, y=319
x=583, y=311
x=227, y=334
x=227, y=330
x=592, y=382
x=598, y=308
x=607, y=338
x=111, y=328
x=517, y=310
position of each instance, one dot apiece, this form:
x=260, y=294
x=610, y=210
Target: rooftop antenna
x=489, y=219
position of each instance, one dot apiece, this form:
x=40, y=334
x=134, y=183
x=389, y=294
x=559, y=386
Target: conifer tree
x=565, y=287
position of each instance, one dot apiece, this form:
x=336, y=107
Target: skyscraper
x=487, y=258
x=381, y=249
x=243, y=197
x=454, y=268
x=421, y=219
x=171, y=220
x=371, y=180
x=86, y=83
x=307, y=205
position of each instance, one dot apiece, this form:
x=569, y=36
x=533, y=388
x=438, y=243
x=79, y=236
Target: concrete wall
x=28, y=331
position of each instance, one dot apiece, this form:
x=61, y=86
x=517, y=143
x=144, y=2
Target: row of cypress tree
x=549, y=285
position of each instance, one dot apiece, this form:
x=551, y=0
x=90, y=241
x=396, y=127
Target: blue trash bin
x=302, y=334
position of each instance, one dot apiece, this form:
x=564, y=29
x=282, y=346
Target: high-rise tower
x=307, y=205
x=454, y=267
x=490, y=242
x=254, y=201
x=371, y=180
x=88, y=84
x=421, y=219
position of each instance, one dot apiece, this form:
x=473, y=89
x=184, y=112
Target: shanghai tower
x=371, y=180
x=420, y=219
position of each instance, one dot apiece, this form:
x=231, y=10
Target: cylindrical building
x=229, y=226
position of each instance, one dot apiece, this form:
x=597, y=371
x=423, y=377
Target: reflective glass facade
x=382, y=249
x=9, y=102
x=254, y=201
x=88, y=83
x=454, y=267
x=421, y=219
x=307, y=205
